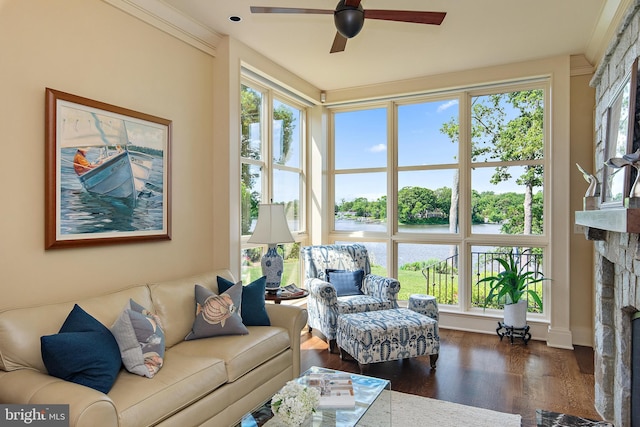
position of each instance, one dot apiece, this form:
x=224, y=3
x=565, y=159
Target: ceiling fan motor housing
x=348, y=19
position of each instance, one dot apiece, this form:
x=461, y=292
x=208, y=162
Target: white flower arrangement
x=294, y=403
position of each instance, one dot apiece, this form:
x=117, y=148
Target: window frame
x=266, y=163
x=464, y=238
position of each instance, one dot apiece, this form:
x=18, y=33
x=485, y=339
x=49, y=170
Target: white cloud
x=378, y=148
x=446, y=106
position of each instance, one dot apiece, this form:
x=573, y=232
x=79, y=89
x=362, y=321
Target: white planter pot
x=516, y=314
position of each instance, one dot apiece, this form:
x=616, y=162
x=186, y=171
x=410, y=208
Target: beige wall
x=581, y=250
x=91, y=49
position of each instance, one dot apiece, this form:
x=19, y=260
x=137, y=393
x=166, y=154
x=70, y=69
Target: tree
x=251, y=113
x=250, y=122
x=517, y=139
x=285, y=116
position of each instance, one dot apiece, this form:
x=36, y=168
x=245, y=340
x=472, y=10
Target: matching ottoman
x=379, y=336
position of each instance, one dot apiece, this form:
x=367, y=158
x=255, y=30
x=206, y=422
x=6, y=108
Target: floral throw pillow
x=217, y=314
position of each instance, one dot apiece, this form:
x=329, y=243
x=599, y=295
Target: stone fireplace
x=617, y=253
x=617, y=298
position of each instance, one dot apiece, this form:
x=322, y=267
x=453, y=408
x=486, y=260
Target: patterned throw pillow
x=141, y=340
x=253, y=311
x=83, y=352
x=217, y=314
x=346, y=282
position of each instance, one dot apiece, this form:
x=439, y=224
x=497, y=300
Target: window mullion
x=465, y=279
x=268, y=147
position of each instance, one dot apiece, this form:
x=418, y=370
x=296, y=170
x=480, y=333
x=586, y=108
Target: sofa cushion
x=183, y=380
x=346, y=282
x=217, y=314
x=253, y=311
x=84, y=352
x=140, y=339
x=241, y=353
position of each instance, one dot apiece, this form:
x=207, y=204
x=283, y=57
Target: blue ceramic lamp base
x=272, y=266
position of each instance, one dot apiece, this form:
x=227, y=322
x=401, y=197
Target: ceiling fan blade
x=260, y=9
x=352, y=3
x=339, y=43
x=434, y=18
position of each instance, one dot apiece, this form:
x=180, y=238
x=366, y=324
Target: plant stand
x=509, y=331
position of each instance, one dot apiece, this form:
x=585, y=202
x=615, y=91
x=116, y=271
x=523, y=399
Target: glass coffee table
x=373, y=404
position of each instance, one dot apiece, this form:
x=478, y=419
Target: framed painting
x=616, y=181
x=107, y=173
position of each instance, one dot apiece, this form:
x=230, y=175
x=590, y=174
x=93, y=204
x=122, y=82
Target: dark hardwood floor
x=480, y=370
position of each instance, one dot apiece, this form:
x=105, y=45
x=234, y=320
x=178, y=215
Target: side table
x=425, y=304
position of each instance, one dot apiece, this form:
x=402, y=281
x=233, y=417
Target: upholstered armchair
x=324, y=305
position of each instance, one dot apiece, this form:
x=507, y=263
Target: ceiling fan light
x=349, y=22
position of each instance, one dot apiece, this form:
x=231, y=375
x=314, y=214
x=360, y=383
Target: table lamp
x=271, y=229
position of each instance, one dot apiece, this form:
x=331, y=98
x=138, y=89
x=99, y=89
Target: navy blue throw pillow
x=84, y=352
x=346, y=282
x=252, y=309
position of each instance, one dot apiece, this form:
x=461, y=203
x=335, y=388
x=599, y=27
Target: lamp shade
x=272, y=227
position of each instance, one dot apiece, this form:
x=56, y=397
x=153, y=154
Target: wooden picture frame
x=616, y=182
x=107, y=173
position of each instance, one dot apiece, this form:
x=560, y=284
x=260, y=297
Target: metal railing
x=442, y=278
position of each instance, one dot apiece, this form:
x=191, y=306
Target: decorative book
x=336, y=390
x=291, y=291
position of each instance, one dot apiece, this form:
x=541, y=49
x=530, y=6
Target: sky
x=361, y=143
x=90, y=126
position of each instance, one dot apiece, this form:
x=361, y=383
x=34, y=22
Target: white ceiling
x=474, y=34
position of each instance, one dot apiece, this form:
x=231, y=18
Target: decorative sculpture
x=591, y=196
x=593, y=189
x=632, y=159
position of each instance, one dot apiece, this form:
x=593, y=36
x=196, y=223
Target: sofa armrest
x=293, y=319
x=381, y=287
x=87, y=407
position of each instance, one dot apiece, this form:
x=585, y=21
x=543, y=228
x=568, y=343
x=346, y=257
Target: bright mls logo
x=34, y=415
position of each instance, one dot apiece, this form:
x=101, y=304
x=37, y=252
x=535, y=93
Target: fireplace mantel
x=622, y=220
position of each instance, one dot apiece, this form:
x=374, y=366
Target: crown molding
x=610, y=19
x=580, y=66
x=171, y=21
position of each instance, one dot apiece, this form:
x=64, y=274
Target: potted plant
x=513, y=284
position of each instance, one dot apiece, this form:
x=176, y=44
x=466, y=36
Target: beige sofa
x=210, y=381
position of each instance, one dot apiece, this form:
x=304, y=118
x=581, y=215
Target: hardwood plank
x=480, y=370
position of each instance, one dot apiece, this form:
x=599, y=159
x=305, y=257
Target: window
x=272, y=154
x=442, y=183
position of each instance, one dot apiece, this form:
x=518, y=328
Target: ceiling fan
x=349, y=18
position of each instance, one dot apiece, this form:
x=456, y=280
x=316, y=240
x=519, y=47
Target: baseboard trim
x=560, y=338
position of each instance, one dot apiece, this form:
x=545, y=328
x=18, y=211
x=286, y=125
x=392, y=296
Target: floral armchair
x=324, y=305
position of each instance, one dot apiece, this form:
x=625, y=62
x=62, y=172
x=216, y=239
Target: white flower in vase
x=294, y=403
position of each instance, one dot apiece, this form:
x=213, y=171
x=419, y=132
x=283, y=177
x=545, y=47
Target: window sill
x=621, y=220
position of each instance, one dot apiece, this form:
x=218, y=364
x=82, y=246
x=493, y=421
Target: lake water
x=82, y=212
x=410, y=252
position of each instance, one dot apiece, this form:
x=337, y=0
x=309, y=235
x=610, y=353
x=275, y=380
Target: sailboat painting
x=107, y=173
